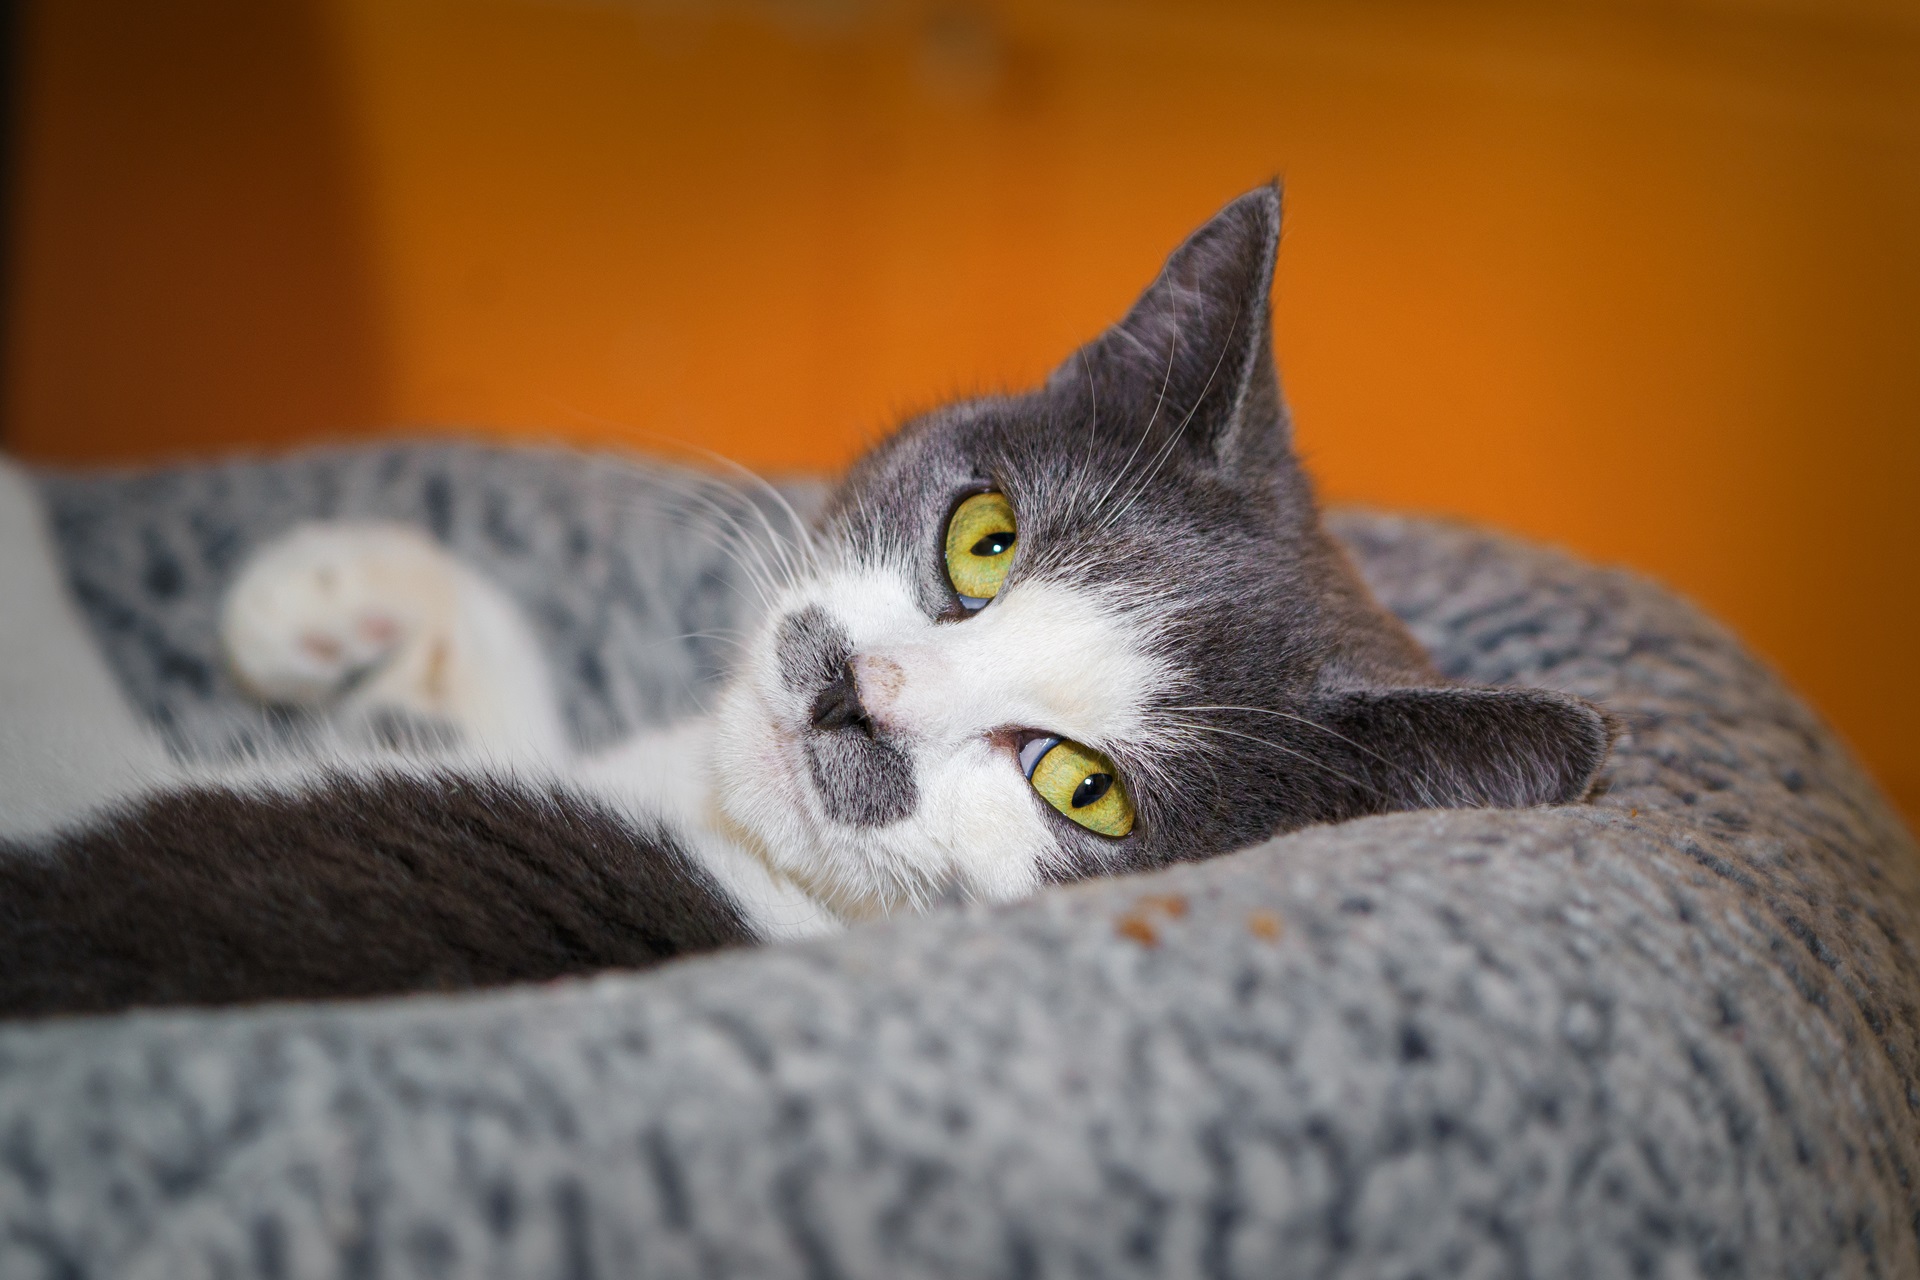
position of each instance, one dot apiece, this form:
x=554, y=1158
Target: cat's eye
x=980, y=539
x=1079, y=782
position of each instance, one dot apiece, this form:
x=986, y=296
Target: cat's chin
x=767, y=801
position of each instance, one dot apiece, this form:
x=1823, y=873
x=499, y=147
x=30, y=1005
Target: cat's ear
x=1191, y=365
x=1459, y=747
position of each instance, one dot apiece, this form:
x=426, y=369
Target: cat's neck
x=666, y=772
x=667, y=775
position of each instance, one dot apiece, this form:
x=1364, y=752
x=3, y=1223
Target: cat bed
x=1672, y=1032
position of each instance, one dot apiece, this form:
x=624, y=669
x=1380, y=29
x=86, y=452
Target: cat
x=1090, y=629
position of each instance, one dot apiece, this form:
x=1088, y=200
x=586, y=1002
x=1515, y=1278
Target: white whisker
x=1315, y=761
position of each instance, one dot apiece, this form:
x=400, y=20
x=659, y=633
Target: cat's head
x=1099, y=627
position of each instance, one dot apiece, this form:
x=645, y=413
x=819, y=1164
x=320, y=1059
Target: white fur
x=327, y=601
x=667, y=775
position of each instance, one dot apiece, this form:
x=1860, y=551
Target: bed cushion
x=1669, y=1033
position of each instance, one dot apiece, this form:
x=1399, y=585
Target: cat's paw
x=316, y=612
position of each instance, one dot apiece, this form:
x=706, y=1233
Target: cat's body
x=1086, y=630
x=352, y=886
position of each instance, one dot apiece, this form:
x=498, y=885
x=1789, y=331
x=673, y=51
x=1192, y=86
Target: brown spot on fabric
x=1265, y=925
x=1138, y=924
x=1172, y=905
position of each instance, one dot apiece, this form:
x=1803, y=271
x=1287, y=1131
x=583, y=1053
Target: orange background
x=1641, y=277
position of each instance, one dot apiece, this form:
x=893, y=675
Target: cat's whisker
x=686, y=446
x=1315, y=761
x=1298, y=719
x=1166, y=381
x=1139, y=490
x=788, y=552
x=1093, y=432
x=775, y=576
x=709, y=492
x=1093, y=401
x=723, y=637
x=1415, y=779
x=739, y=545
x=755, y=575
x=802, y=539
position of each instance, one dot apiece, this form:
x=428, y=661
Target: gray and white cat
x=1090, y=629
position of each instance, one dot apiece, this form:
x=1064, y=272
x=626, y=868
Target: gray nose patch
x=862, y=780
x=810, y=647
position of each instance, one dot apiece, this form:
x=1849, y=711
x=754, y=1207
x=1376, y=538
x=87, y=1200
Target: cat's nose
x=881, y=681
x=838, y=705
x=907, y=691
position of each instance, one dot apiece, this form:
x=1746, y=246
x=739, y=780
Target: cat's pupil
x=993, y=544
x=1091, y=788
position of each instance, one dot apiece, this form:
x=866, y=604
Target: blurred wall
x=1639, y=277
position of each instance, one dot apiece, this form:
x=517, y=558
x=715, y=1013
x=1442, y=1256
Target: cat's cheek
x=978, y=809
x=756, y=776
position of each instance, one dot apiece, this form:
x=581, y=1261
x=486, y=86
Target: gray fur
x=862, y=783
x=1671, y=1033
x=811, y=647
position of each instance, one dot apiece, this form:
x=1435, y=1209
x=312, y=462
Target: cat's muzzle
x=838, y=706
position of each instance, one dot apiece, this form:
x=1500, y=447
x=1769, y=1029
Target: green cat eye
x=1082, y=783
x=980, y=539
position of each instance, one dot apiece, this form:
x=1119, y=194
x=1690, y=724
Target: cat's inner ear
x=1446, y=748
x=1191, y=366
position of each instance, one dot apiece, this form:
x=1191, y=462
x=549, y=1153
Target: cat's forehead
x=1070, y=477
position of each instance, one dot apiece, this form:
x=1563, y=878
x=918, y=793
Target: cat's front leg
x=377, y=623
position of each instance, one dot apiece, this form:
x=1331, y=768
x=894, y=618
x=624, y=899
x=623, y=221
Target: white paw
x=329, y=604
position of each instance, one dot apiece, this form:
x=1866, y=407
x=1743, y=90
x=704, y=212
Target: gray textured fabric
x=633, y=575
x=1671, y=1034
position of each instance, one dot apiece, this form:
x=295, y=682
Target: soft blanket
x=1669, y=1033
